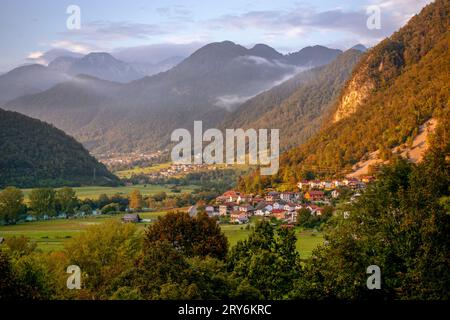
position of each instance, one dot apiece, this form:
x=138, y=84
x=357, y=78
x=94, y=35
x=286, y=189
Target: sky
x=160, y=29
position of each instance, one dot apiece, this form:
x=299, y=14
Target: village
x=312, y=195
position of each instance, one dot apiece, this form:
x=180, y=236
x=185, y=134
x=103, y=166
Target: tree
x=86, y=209
x=20, y=246
x=398, y=224
x=194, y=236
x=111, y=208
x=136, y=201
x=267, y=260
x=11, y=205
x=159, y=264
x=23, y=277
x=66, y=200
x=160, y=196
x=103, y=253
x=103, y=200
x=42, y=202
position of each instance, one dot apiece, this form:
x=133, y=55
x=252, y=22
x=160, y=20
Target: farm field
x=95, y=191
x=52, y=234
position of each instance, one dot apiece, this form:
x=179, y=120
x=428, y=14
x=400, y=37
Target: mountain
x=359, y=47
x=28, y=79
x=35, y=78
x=398, y=85
x=312, y=56
x=298, y=105
x=104, y=66
x=264, y=51
x=140, y=115
x=62, y=64
x=35, y=154
x=71, y=105
x=150, y=69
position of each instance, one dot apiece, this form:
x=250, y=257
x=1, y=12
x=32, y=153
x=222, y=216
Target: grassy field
x=144, y=170
x=94, y=192
x=51, y=235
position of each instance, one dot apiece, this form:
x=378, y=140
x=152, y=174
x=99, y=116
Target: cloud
x=303, y=19
x=45, y=58
x=35, y=55
x=77, y=47
x=115, y=30
x=176, y=12
x=262, y=61
x=229, y=102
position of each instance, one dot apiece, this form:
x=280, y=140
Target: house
x=349, y=181
x=289, y=207
x=314, y=195
x=257, y=199
x=243, y=198
x=247, y=209
x=289, y=196
x=231, y=195
x=221, y=199
x=263, y=209
x=263, y=212
x=131, y=217
x=279, y=204
x=272, y=196
x=211, y=211
x=226, y=208
x=292, y=217
x=303, y=184
x=328, y=185
x=279, y=214
x=337, y=183
x=315, y=184
x=335, y=194
x=238, y=217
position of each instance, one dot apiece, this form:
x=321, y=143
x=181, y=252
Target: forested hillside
x=297, y=106
x=397, y=86
x=35, y=153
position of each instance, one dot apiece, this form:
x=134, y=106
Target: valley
x=91, y=137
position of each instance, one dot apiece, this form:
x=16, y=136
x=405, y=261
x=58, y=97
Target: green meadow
x=51, y=235
x=149, y=189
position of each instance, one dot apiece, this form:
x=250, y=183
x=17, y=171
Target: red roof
x=231, y=193
x=317, y=193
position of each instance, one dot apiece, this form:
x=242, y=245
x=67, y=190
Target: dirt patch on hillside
x=414, y=153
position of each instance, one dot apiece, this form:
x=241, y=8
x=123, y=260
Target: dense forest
x=409, y=83
x=35, y=153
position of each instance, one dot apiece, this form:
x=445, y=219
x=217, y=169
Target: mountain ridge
x=140, y=115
